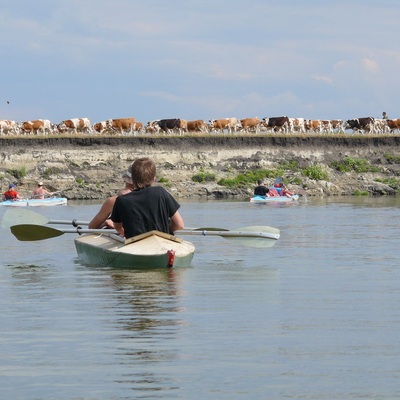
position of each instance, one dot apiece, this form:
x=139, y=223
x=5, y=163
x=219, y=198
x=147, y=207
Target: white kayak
x=150, y=250
x=49, y=201
x=280, y=199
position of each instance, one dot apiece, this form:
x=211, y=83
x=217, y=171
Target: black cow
x=169, y=124
x=276, y=123
x=366, y=123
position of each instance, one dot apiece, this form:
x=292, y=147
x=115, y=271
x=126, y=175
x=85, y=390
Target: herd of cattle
x=130, y=126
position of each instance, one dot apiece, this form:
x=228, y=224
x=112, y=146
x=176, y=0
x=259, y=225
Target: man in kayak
x=260, y=189
x=11, y=193
x=147, y=207
x=40, y=192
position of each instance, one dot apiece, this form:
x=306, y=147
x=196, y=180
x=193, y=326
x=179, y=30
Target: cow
x=362, y=124
x=297, y=125
x=7, y=126
x=138, y=127
x=250, y=124
x=165, y=125
x=197, y=125
x=276, y=123
x=183, y=126
x=325, y=125
x=75, y=125
x=122, y=124
x=100, y=127
x=152, y=127
x=230, y=124
x=393, y=124
x=36, y=126
x=380, y=125
x=337, y=125
x=313, y=125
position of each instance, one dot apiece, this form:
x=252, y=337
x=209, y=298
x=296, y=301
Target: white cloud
x=370, y=66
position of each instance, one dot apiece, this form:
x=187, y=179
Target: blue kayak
x=50, y=201
x=280, y=199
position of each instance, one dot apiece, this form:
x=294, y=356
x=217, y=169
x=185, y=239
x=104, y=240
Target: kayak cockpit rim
x=142, y=236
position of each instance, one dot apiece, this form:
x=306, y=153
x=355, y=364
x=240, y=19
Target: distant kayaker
x=260, y=189
x=40, y=192
x=11, y=193
x=284, y=190
x=102, y=218
x=147, y=207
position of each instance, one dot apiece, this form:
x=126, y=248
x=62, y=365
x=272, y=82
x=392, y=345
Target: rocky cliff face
x=91, y=167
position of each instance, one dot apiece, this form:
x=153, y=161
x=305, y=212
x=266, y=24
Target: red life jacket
x=10, y=194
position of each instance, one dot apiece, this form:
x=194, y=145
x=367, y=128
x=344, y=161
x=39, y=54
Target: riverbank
x=91, y=167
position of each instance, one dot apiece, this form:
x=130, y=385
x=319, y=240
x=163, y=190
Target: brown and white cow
x=337, y=125
x=229, y=124
x=297, y=125
x=7, y=126
x=122, y=124
x=36, y=126
x=75, y=125
x=100, y=127
x=197, y=125
x=325, y=125
x=393, y=124
x=313, y=125
x=250, y=124
x=138, y=127
x=183, y=126
x=152, y=127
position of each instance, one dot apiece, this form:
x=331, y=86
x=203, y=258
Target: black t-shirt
x=144, y=210
x=260, y=191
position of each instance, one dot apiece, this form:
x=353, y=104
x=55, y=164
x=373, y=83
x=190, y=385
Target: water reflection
x=149, y=295
x=29, y=274
x=146, y=318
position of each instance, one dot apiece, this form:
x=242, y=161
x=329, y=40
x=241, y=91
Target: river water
x=317, y=316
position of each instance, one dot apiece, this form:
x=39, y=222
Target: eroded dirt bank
x=91, y=167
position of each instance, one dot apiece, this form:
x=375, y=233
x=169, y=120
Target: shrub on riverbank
x=349, y=164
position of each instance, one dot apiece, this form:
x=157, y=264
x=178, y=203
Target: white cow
x=75, y=125
x=297, y=125
x=7, y=126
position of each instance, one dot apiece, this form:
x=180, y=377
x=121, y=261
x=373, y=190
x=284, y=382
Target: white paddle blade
x=18, y=216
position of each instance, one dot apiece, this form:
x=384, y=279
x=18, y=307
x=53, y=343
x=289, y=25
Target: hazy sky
x=199, y=59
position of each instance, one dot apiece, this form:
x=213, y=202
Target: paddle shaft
x=74, y=222
x=231, y=234
x=249, y=234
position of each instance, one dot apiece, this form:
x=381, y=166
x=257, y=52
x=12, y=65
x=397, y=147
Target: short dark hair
x=143, y=172
x=260, y=181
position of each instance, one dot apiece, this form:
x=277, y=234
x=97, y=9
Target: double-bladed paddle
x=28, y=225
x=263, y=237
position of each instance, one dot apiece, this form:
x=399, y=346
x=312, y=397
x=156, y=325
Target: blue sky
x=199, y=59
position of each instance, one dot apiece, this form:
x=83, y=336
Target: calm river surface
x=317, y=316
